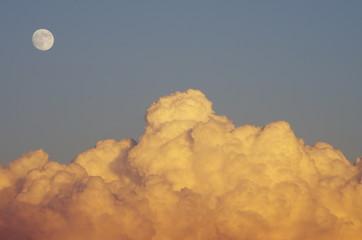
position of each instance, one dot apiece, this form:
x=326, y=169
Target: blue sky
x=257, y=61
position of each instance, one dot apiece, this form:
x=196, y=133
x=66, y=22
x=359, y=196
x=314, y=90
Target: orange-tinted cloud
x=192, y=175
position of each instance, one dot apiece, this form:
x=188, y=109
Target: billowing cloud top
x=192, y=175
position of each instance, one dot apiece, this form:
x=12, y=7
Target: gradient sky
x=257, y=61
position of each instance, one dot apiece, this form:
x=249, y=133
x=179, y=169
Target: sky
x=257, y=61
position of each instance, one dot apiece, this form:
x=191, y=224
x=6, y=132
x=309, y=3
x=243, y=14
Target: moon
x=43, y=39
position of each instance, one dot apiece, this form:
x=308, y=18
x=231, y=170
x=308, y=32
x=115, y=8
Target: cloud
x=192, y=175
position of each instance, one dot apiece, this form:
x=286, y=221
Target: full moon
x=43, y=39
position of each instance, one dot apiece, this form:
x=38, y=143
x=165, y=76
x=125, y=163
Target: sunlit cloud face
x=192, y=175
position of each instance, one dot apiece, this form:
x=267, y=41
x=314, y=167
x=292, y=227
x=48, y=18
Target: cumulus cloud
x=192, y=175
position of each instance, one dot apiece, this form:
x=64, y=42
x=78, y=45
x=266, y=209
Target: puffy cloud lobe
x=192, y=175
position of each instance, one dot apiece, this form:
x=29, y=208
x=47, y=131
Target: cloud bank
x=192, y=175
